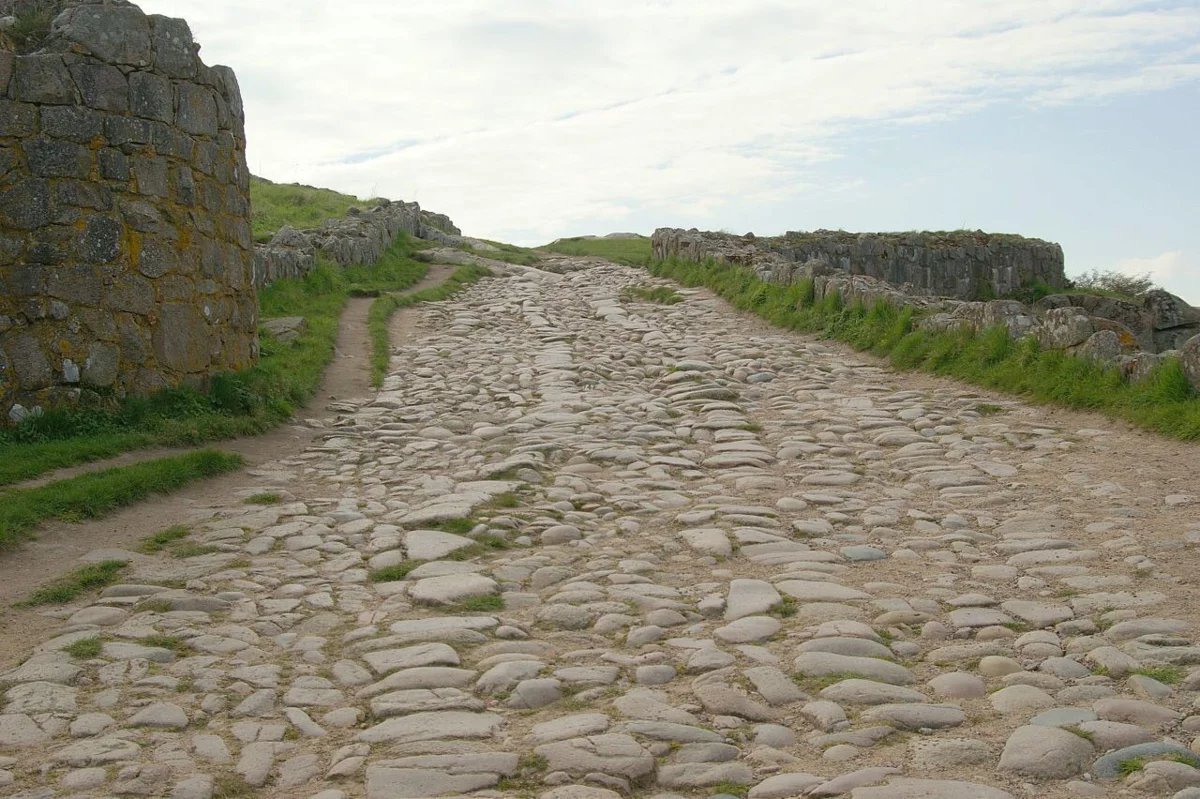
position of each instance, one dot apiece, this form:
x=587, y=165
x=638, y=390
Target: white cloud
x=531, y=119
x=1162, y=268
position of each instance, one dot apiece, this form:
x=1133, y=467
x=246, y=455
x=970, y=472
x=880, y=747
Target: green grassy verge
x=624, y=251
x=90, y=496
x=245, y=403
x=1164, y=403
x=69, y=586
x=387, y=304
x=274, y=205
x=522, y=256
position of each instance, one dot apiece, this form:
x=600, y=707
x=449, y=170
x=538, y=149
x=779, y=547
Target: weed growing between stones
x=479, y=604
x=70, y=586
x=84, y=648
x=663, y=295
x=1167, y=675
x=1164, y=402
x=163, y=538
x=264, y=499
x=395, y=572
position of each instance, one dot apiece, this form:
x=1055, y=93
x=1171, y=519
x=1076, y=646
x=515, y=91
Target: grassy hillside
x=273, y=205
x=624, y=251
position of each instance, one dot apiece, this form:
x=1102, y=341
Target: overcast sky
x=1076, y=121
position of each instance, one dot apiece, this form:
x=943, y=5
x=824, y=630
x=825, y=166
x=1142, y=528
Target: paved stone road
x=653, y=550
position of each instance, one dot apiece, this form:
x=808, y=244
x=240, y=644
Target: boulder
x=1064, y=327
x=1189, y=354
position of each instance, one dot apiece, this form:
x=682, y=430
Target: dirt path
x=59, y=546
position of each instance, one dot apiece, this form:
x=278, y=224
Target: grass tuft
x=814, y=683
x=171, y=642
x=69, y=587
x=785, y=608
x=392, y=573
x=266, y=498
x=163, y=539
x=84, y=648
x=663, y=295
x=232, y=786
x=480, y=604
x=1167, y=675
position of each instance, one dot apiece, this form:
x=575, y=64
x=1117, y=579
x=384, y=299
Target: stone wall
x=360, y=237
x=125, y=244
x=963, y=264
x=1133, y=335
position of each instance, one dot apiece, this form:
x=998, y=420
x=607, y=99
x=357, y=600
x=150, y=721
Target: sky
x=1076, y=121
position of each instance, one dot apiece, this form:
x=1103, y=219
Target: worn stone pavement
x=659, y=551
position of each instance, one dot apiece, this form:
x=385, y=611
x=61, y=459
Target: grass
x=456, y=526
x=635, y=252
x=527, y=779
x=506, y=500
x=1164, y=403
x=31, y=26
x=1084, y=734
x=190, y=549
x=84, y=648
x=663, y=295
x=1167, y=675
x=70, y=586
x=163, y=539
x=729, y=789
x=154, y=606
x=814, y=683
x=265, y=498
x=395, y=572
x=480, y=604
x=273, y=205
x=232, y=786
x=785, y=608
x=245, y=403
x=171, y=642
x=387, y=304
x=97, y=494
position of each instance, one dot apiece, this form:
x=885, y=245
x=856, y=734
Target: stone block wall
x=963, y=264
x=360, y=237
x=125, y=244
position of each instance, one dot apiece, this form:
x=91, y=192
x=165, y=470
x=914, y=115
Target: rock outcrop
x=125, y=245
x=360, y=237
x=1134, y=335
x=966, y=265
